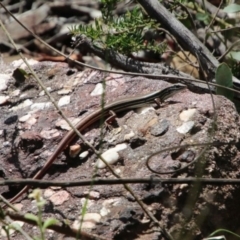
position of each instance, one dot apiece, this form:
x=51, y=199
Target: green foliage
x=224, y=77
x=42, y=225
x=204, y=17
x=224, y=231
x=124, y=34
x=232, y=8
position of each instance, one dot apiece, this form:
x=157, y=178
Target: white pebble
x=83, y=154
x=3, y=99
x=120, y=147
x=104, y=211
x=111, y=156
x=21, y=64
x=6, y=144
x=42, y=93
x=98, y=90
x=24, y=104
x=64, y=101
x=41, y=106
x=4, y=79
x=64, y=91
x=185, y=127
x=187, y=115
x=24, y=118
x=128, y=136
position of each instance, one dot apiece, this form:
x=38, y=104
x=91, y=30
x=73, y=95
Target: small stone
x=110, y=156
x=49, y=134
x=187, y=115
x=186, y=127
x=90, y=220
x=95, y=14
x=104, y=211
x=92, y=194
x=42, y=93
x=89, y=202
x=74, y=150
x=120, y=147
x=64, y=91
x=65, y=100
x=48, y=193
x=83, y=154
x=18, y=206
x=98, y=90
x=21, y=64
x=4, y=79
x=3, y=100
x=41, y=106
x=188, y=156
x=59, y=197
x=24, y=118
x=24, y=104
x=6, y=144
x=160, y=128
x=31, y=121
x=12, y=119
x=128, y=136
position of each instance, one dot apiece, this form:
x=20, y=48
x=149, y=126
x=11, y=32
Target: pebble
x=128, y=136
x=98, y=90
x=74, y=150
x=65, y=100
x=48, y=193
x=42, y=93
x=160, y=128
x=21, y=64
x=49, y=134
x=120, y=147
x=187, y=115
x=111, y=156
x=185, y=127
x=104, y=211
x=4, y=79
x=92, y=194
x=41, y=106
x=24, y=118
x=59, y=197
x=90, y=220
x=64, y=91
x=3, y=100
x=83, y=154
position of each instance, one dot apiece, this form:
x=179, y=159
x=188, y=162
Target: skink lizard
x=117, y=106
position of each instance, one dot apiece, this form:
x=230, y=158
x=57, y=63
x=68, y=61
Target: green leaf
x=49, y=222
x=235, y=55
x=31, y=216
x=223, y=77
x=202, y=16
x=15, y=225
x=232, y=8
